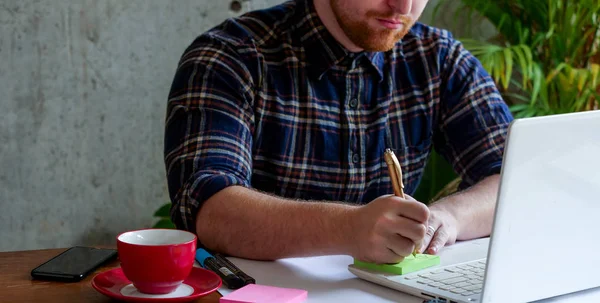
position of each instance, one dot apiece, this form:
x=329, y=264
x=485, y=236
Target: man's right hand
x=387, y=229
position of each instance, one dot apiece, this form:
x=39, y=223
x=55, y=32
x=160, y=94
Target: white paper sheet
x=326, y=279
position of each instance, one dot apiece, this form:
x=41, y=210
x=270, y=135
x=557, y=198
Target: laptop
x=545, y=241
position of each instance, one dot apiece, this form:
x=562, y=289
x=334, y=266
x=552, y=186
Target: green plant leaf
x=163, y=211
x=556, y=71
x=523, y=63
x=538, y=81
x=508, y=63
x=519, y=107
x=595, y=69
x=529, y=57
x=438, y=172
x=514, y=96
x=164, y=223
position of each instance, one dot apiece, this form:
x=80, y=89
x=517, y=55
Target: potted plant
x=544, y=60
x=545, y=56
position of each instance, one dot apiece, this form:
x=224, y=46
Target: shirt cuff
x=196, y=192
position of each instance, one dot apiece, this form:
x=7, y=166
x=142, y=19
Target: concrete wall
x=83, y=87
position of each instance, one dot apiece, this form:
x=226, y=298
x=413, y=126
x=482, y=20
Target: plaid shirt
x=271, y=101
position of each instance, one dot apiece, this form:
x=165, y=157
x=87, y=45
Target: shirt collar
x=322, y=50
x=377, y=60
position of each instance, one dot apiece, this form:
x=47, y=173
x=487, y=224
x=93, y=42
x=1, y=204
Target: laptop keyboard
x=464, y=279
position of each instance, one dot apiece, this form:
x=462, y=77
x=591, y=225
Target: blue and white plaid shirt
x=271, y=101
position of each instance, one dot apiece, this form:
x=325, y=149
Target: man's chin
x=378, y=40
x=379, y=45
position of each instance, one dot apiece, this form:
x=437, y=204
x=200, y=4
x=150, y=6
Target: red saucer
x=114, y=284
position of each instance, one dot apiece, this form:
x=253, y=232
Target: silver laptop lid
x=545, y=241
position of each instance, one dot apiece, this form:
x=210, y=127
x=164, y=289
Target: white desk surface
x=327, y=278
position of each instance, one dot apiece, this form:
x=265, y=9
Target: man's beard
x=360, y=33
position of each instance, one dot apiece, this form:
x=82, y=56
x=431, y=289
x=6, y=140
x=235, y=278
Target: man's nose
x=402, y=7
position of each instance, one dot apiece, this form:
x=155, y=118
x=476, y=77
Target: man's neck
x=325, y=13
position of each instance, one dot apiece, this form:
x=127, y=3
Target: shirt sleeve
x=208, y=127
x=473, y=120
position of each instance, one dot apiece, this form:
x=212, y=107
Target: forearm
x=473, y=208
x=245, y=223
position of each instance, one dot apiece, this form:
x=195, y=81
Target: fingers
x=440, y=238
x=407, y=228
x=387, y=250
x=410, y=198
x=411, y=209
x=429, y=233
x=390, y=257
x=441, y=231
x=400, y=245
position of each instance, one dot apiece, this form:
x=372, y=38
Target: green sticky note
x=408, y=265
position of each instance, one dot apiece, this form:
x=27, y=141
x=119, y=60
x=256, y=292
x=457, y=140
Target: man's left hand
x=442, y=229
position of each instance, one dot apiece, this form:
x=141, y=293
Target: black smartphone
x=74, y=264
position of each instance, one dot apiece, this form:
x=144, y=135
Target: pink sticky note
x=253, y=293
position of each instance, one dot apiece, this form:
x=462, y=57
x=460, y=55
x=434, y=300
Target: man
x=278, y=121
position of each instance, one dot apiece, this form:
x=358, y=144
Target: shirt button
x=355, y=158
x=353, y=103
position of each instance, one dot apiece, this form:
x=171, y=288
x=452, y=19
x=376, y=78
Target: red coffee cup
x=156, y=261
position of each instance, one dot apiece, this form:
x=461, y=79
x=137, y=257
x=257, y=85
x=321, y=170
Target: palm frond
x=500, y=61
x=551, y=46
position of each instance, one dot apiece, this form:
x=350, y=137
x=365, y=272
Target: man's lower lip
x=390, y=25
